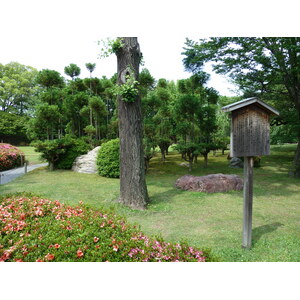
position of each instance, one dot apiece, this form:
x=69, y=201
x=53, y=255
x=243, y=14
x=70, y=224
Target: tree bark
x=133, y=189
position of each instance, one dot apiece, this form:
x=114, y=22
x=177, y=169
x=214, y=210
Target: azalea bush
x=10, y=157
x=37, y=229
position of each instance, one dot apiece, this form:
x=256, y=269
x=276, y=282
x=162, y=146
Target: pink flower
x=79, y=253
x=115, y=248
x=56, y=246
x=96, y=239
x=49, y=256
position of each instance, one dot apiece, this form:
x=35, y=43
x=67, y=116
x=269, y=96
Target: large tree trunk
x=133, y=189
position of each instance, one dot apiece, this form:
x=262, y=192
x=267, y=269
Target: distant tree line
x=43, y=105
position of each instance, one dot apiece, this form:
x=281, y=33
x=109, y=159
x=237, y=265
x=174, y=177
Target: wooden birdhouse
x=250, y=127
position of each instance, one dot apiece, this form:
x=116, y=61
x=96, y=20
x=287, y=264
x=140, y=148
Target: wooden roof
x=248, y=101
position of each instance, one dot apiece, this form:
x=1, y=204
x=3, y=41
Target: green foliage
x=13, y=128
x=128, y=90
x=74, y=147
x=17, y=88
x=91, y=67
x=108, y=159
x=267, y=67
x=10, y=157
x=72, y=70
x=50, y=149
x=188, y=150
x=146, y=82
x=286, y=133
x=149, y=151
x=61, y=153
x=51, y=231
x=110, y=46
x=45, y=123
x=50, y=78
x=90, y=130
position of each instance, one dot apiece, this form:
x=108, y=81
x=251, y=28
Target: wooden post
x=25, y=167
x=248, y=201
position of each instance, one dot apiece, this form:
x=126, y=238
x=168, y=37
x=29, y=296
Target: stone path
x=9, y=175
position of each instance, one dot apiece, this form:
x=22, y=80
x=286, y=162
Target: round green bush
x=73, y=149
x=108, y=159
x=10, y=157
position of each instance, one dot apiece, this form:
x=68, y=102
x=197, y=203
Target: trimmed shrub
x=108, y=159
x=36, y=229
x=61, y=153
x=73, y=149
x=10, y=157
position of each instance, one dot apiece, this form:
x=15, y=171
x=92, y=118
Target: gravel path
x=9, y=175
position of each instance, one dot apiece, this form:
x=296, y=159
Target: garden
x=149, y=132
x=211, y=223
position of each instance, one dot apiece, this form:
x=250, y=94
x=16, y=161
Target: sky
x=53, y=34
x=55, y=53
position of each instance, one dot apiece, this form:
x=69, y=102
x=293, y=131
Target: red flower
x=18, y=260
x=115, y=248
x=96, y=239
x=56, y=246
x=49, y=256
x=79, y=253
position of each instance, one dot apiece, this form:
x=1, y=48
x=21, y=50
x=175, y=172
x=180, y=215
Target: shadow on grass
x=258, y=232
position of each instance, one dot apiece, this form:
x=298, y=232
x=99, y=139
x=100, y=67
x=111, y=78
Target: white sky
x=53, y=34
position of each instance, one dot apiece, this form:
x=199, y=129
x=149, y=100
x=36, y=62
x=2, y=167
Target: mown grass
x=203, y=220
x=31, y=156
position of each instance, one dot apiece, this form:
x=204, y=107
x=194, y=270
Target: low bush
x=10, y=157
x=61, y=153
x=36, y=229
x=73, y=149
x=108, y=159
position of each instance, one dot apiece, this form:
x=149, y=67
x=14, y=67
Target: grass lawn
x=203, y=220
x=31, y=156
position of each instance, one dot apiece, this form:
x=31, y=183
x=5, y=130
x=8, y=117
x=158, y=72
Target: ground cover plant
x=41, y=230
x=10, y=157
x=202, y=220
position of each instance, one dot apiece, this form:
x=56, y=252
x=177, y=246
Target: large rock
x=211, y=183
x=86, y=163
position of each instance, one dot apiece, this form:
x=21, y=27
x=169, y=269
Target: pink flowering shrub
x=36, y=229
x=10, y=157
